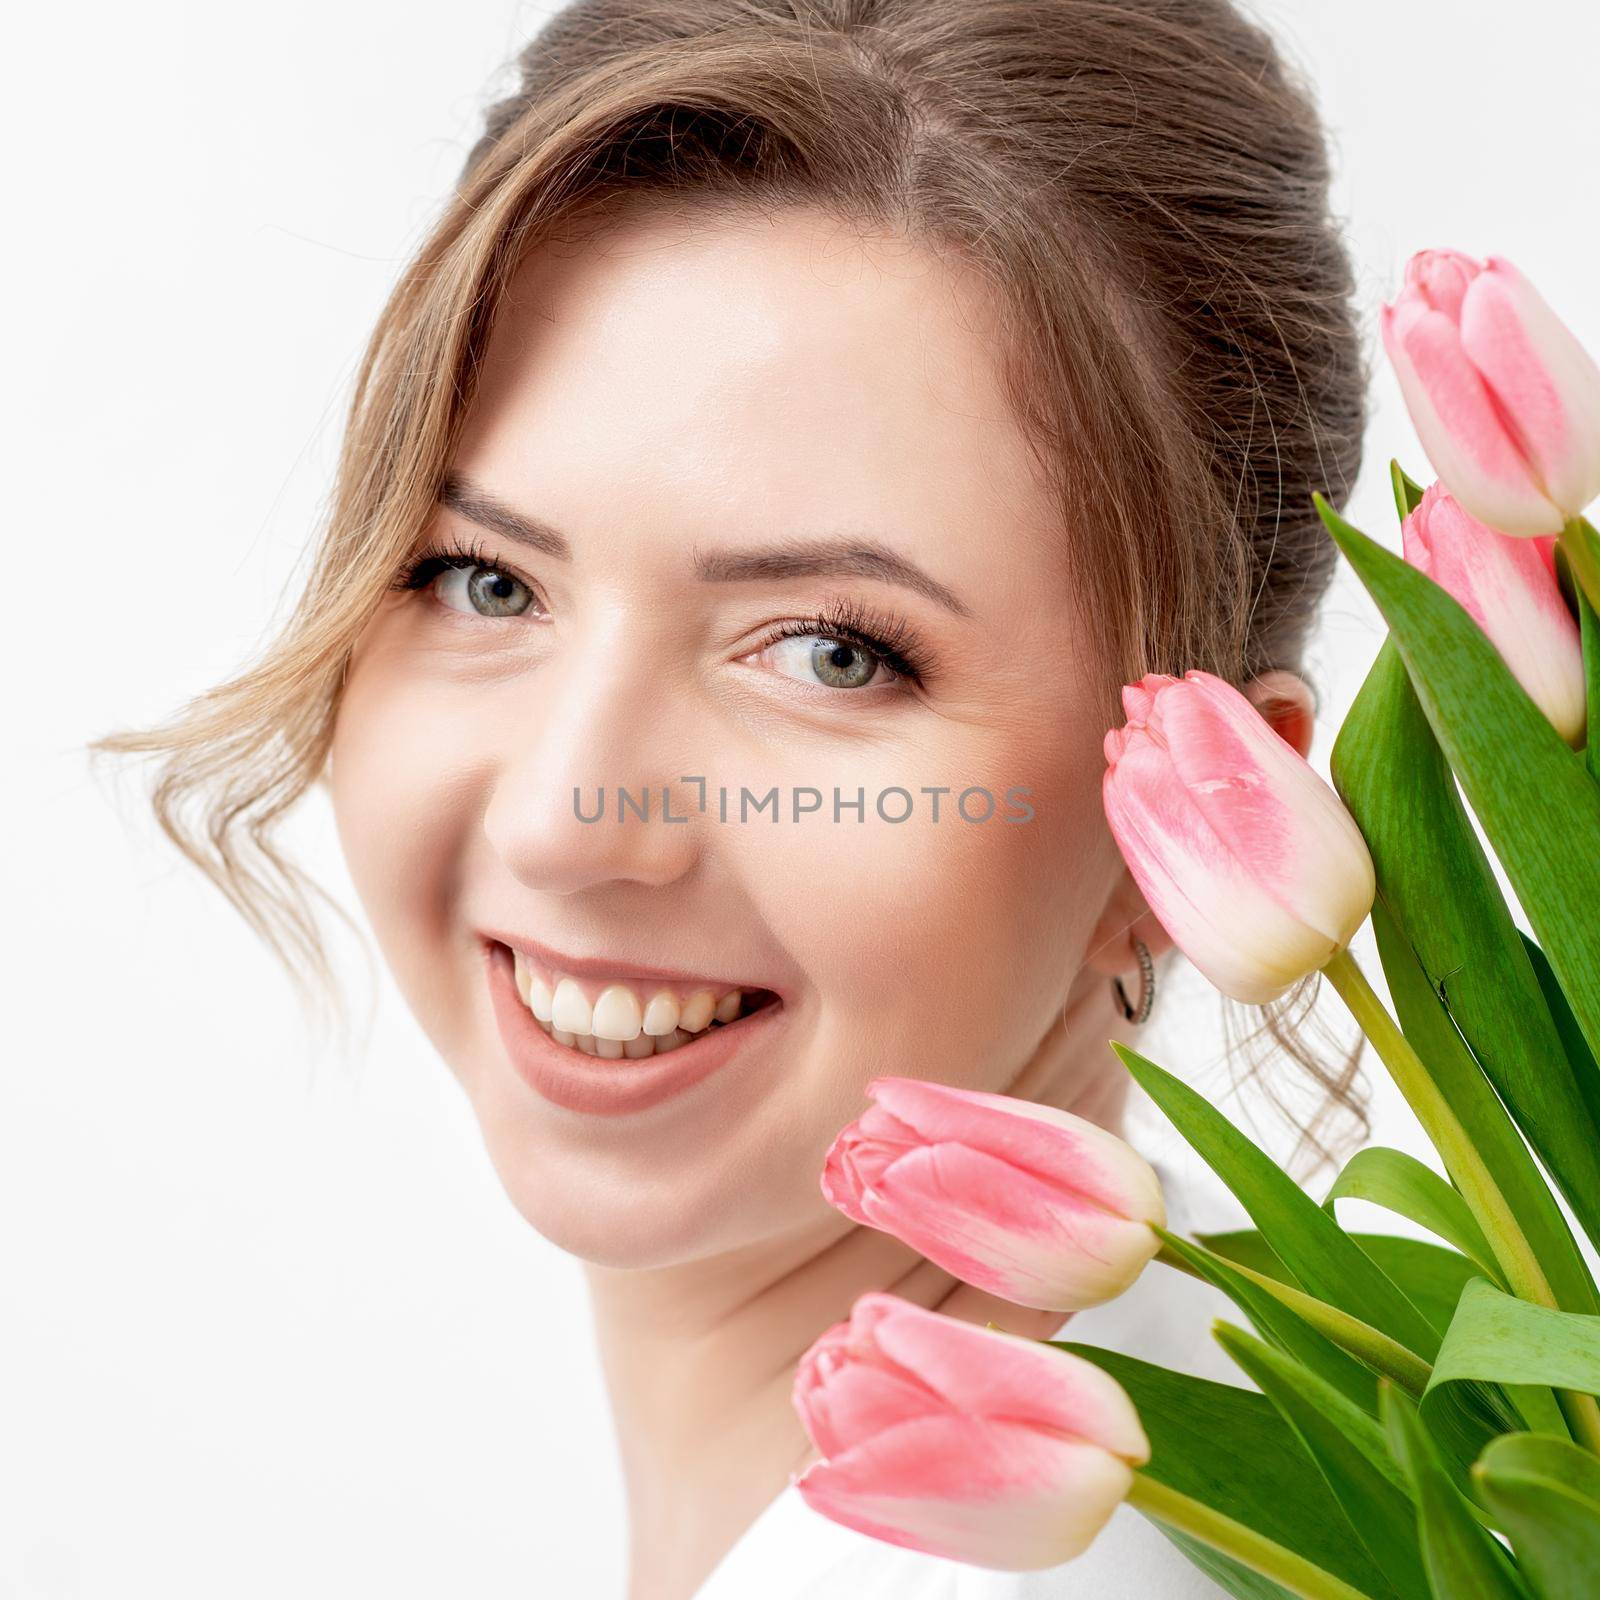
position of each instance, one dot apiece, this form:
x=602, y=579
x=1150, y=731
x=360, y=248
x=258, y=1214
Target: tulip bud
x=964, y=1442
x=1508, y=589
x=1031, y=1203
x=1245, y=855
x=1504, y=399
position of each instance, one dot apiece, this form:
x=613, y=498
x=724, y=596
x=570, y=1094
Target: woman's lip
x=568, y=1078
x=599, y=967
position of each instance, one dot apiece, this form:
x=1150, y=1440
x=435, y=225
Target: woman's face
x=688, y=439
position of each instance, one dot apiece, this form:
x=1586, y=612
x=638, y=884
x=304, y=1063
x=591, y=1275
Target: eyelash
x=890, y=637
x=426, y=565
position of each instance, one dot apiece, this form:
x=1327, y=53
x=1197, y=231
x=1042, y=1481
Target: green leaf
x=1407, y=491
x=1585, y=1069
x=1434, y=1277
x=1439, y=887
x=1324, y=1260
x=1277, y=1322
x=1545, y=1493
x=1224, y=1571
x=1463, y=1561
x=1538, y=806
x=1349, y=1447
x=1536, y=1455
x=1589, y=631
x=1588, y=634
x=1467, y=1415
x=1501, y=1349
x=1478, y=1111
x=1496, y=1338
x=1261, y=1476
x=1400, y=1183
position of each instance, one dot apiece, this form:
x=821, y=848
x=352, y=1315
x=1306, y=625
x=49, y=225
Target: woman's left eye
x=833, y=663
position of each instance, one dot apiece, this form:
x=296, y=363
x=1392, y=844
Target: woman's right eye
x=471, y=587
x=483, y=591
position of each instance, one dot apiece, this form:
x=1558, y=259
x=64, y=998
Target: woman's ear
x=1126, y=916
x=1284, y=701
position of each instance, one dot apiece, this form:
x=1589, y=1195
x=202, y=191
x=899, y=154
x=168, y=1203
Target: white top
x=791, y=1552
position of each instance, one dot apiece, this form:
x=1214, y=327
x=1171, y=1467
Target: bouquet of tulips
x=1416, y=1419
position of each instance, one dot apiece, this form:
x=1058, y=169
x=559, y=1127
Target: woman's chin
x=610, y=1221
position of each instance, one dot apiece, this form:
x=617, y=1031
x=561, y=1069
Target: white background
x=267, y=1325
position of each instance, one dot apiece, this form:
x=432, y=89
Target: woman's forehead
x=786, y=370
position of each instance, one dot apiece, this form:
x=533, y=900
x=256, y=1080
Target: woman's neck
x=699, y=1359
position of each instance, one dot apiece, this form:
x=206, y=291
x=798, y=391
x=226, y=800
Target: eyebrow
x=476, y=506
x=791, y=558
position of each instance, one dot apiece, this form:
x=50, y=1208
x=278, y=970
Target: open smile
x=627, y=1043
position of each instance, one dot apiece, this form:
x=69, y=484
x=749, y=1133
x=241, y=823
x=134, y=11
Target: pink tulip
x=962, y=1441
x=1546, y=546
x=1247, y=858
x=1506, y=587
x=1036, y=1205
x=1504, y=398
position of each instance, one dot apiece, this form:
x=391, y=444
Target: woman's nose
x=589, y=787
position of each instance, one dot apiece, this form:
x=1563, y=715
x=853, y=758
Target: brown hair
x=1143, y=182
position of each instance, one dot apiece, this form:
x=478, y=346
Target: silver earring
x=1147, y=981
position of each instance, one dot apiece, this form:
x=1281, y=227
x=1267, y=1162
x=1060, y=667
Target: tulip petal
x=842, y=1403
x=989, y=1493
x=1442, y=277
x=1269, y=807
x=1004, y=1230
x=984, y=1372
x=1459, y=424
x=1138, y=699
x=1505, y=586
x=860, y=1155
x=1546, y=546
x=1545, y=383
x=1066, y=1152
x=1243, y=941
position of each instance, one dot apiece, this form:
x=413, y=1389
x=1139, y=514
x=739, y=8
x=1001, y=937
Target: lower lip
x=568, y=1078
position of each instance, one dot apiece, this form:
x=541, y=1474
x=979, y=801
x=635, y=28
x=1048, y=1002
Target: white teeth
x=570, y=1010
x=540, y=998
x=661, y=1015
x=615, y=1026
x=616, y=1014
x=696, y=1013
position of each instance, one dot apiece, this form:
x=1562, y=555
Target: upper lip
x=610, y=967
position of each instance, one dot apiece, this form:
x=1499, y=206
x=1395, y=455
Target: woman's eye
x=834, y=663
x=483, y=591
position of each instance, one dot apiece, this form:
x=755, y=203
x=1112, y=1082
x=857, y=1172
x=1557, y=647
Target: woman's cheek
x=400, y=781
x=908, y=932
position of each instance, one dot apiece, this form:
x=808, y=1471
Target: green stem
x=1246, y=1546
x=1380, y=1352
x=1582, y=546
x=1470, y=1174
x=1461, y=1158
